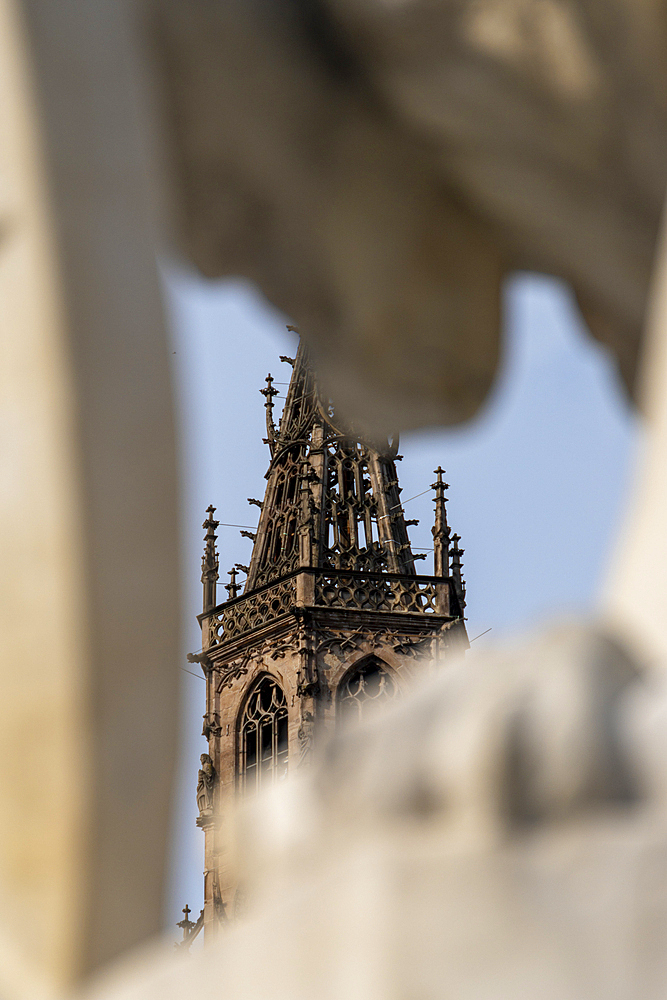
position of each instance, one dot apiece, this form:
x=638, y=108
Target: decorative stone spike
x=232, y=587
x=440, y=529
x=209, y=563
x=306, y=512
x=457, y=576
x=252, y=535
x=257, y=503
x=271, y=431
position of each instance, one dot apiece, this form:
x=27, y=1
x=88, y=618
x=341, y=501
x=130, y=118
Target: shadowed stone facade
x=333, y=618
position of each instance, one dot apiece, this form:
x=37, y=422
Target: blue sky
x=537, y=482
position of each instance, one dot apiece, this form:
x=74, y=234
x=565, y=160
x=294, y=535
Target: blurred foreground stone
x=502, y=833
x=89, y=570
x=377, y=168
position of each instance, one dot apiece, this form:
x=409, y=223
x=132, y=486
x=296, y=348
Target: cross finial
x=210, y=523
x=232, y=587
x=186, y=924
x=439, y=486
x=269, y=392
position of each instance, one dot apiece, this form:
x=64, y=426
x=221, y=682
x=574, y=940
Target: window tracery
x=351, y=539
x=366, y=686
x=263, y=736
x=280, y=545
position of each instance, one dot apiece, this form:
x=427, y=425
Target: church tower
x=332, y=620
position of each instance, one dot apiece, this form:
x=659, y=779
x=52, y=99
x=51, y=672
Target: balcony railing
x=330, y=588
x=376, y=592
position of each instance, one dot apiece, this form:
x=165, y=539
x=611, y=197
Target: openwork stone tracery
x=333, y=618
x=368, y=685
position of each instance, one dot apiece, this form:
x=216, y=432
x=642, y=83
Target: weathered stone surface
x=89, y=584
x=501, y=833
x=378, y=167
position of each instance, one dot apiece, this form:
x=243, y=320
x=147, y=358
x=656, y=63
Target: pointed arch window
x=363, y=688
x=263, y=736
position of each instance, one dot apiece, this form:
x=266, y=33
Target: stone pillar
x=88, y=520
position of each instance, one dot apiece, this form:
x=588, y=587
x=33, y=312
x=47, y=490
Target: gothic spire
x=209, y=563
x=332, y=498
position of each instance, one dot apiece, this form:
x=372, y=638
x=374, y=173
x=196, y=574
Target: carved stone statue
x=305, y=735
x=205, y=785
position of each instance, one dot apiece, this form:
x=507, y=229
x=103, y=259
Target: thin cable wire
x=253, y=527
x=200, y=676
x=482, y=633
x=403, y=503
x=250, y=527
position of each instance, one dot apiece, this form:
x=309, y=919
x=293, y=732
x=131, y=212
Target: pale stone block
x=88, y=529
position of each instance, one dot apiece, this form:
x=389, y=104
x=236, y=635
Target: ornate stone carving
x=211, y=725
x=274, y=650
x=340, y=642
x=232, y=671
x=305, y=736
x=376, y=592
x=307, y=683
x=251, y=612
x=206, y=782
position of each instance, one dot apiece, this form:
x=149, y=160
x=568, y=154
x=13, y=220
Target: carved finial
x=210, y=510
x=440, y=529
x=209, y=563
x=305, y=519
x=186, y=925
x=268, y=394
x=457, y=575
x=232, y=587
